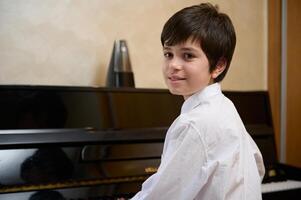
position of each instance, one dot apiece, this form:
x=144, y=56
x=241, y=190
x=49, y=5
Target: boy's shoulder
x=212, y=117
x=209, y=111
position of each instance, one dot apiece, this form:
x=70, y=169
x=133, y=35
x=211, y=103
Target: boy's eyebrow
x=182, y=48
x=188, y=49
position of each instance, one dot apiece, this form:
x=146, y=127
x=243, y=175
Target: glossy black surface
x=29, y=107
x=77, y=164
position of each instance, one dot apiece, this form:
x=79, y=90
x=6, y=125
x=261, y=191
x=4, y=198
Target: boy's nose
x=175, y=64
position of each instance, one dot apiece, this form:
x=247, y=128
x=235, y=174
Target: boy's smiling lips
x=176, y=78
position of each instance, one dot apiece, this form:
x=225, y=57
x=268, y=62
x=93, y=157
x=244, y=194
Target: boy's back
x=231, y=152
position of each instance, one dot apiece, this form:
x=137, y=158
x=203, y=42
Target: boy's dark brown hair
x=204, y=24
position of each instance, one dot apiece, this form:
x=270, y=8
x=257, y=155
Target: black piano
x=81, y=143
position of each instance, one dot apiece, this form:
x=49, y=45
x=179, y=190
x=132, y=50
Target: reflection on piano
x=98, y=143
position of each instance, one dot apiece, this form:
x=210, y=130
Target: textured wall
x=69, y=42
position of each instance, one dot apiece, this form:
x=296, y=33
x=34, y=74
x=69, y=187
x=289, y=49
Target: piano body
x=99, y=143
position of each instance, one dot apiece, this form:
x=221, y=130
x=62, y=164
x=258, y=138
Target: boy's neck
x=211, y=81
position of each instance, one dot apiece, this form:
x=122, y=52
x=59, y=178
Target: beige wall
x=69, y=42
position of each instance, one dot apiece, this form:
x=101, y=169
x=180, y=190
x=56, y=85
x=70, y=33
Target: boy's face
x=186, y=68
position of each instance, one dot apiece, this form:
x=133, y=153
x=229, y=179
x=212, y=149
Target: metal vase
x=120, y=70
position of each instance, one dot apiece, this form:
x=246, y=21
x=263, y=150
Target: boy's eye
x=188, y=56
x=167, y=54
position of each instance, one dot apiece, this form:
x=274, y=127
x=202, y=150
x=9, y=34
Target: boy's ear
x=220, y=67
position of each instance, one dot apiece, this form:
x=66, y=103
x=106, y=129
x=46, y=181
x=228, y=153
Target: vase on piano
x=120, y=70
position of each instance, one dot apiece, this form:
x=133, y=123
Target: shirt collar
x=200, y=96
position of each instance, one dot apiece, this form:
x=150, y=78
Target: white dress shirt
x=207, y=154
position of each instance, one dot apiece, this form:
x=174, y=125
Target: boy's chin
x=175, y=92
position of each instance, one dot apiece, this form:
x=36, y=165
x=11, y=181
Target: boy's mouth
x=176, y=78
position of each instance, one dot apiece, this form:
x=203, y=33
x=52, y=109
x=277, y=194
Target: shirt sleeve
x=182, y=172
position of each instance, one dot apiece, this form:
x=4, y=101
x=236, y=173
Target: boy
x=207, y=152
